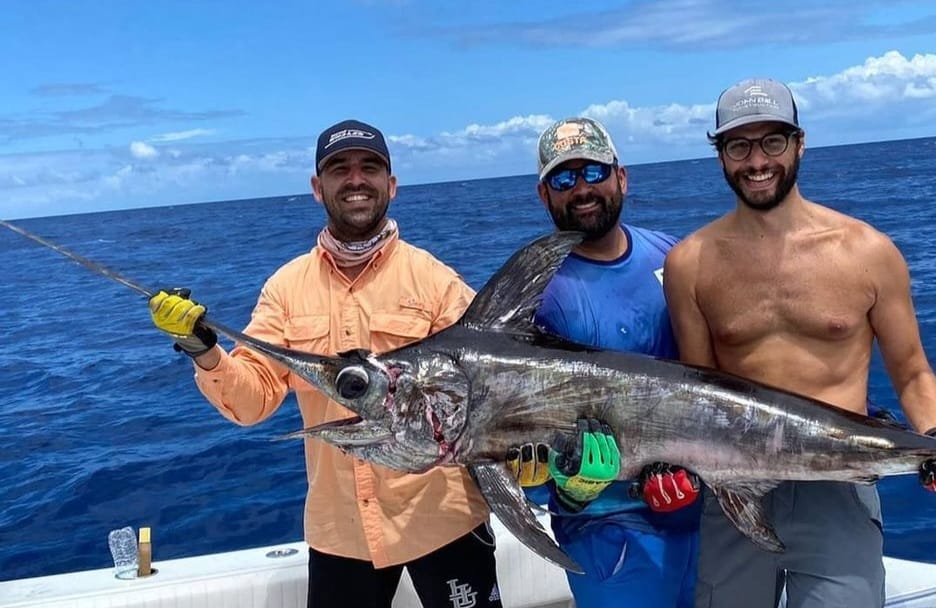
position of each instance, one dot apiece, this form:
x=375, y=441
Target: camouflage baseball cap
x=755, y=100
x=574, y=139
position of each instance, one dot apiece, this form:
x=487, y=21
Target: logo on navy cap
x=346, y=133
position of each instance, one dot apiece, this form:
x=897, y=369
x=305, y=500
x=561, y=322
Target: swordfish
x=464, y=395
x=494, y=380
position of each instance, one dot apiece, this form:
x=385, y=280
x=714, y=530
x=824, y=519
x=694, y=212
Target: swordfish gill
x=493, y=380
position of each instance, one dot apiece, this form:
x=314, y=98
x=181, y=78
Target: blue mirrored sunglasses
x=565, y=179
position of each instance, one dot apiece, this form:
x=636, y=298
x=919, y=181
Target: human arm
x=690, y=328
x=455, y=298
x=894, y=324
x=244, y=386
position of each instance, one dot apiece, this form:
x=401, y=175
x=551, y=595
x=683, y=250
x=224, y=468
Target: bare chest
x=813, y=291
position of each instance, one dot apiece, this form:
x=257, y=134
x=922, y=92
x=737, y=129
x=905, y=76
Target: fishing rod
x=116, y=276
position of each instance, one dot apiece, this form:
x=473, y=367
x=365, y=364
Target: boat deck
x=275, y=577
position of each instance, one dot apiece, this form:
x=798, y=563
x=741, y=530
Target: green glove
x=176, y=314
x=584, y=464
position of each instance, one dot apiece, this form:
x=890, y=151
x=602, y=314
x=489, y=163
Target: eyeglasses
x=565, y=179
x=774, y=144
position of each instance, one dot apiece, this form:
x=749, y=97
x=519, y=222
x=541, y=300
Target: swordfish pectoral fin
x=742, y=504
x=508, y=502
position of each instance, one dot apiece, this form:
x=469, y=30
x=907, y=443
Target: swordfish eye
x=352, y=382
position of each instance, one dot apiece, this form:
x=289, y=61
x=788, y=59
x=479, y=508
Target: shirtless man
x=793, y=294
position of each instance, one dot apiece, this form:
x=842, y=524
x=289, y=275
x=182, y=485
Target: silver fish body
x=476, y=403
x=724, y=428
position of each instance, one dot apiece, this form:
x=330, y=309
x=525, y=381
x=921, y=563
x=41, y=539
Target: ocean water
x=101, y=425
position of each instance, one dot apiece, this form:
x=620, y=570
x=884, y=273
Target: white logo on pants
x=462, y=596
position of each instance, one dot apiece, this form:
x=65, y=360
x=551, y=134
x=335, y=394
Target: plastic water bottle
x=123, y=548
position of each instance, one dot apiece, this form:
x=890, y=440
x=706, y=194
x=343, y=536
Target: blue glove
x=585, y=463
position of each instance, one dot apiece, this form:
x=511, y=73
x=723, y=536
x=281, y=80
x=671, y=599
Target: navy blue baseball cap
x=350, y=135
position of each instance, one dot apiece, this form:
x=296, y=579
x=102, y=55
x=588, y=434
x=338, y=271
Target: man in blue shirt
x=608, y=293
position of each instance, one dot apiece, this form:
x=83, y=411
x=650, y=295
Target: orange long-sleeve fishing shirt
x=353, y=508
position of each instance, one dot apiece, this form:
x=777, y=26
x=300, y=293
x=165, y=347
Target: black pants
x=461, y=573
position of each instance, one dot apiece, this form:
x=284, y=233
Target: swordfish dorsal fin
x=509, y=299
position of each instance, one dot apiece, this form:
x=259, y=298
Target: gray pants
x=833, y=558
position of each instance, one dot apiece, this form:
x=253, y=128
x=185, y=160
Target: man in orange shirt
x=361, y=286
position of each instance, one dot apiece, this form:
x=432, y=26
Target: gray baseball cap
x=574, y=139
x=755, y=100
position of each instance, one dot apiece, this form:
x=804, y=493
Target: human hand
x=928, y=469
x=529, y=464
x=174, y=313
x=928, y=474
x=665, y=487
x=585, y=463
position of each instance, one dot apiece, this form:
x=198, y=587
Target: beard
x=595, y=225
x=358, y=224
x=765, y=201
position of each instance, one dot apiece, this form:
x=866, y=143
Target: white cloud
x=890, y=86
x=118, y=178
x=890, y=78
x=182, y=135
x=142, y=150
x=518, y=125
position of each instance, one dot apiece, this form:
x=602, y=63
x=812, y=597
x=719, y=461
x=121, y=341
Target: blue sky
x=111, y=104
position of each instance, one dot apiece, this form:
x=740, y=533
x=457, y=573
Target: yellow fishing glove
x=529, y=464
x=174, y=313
x=585, y=463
